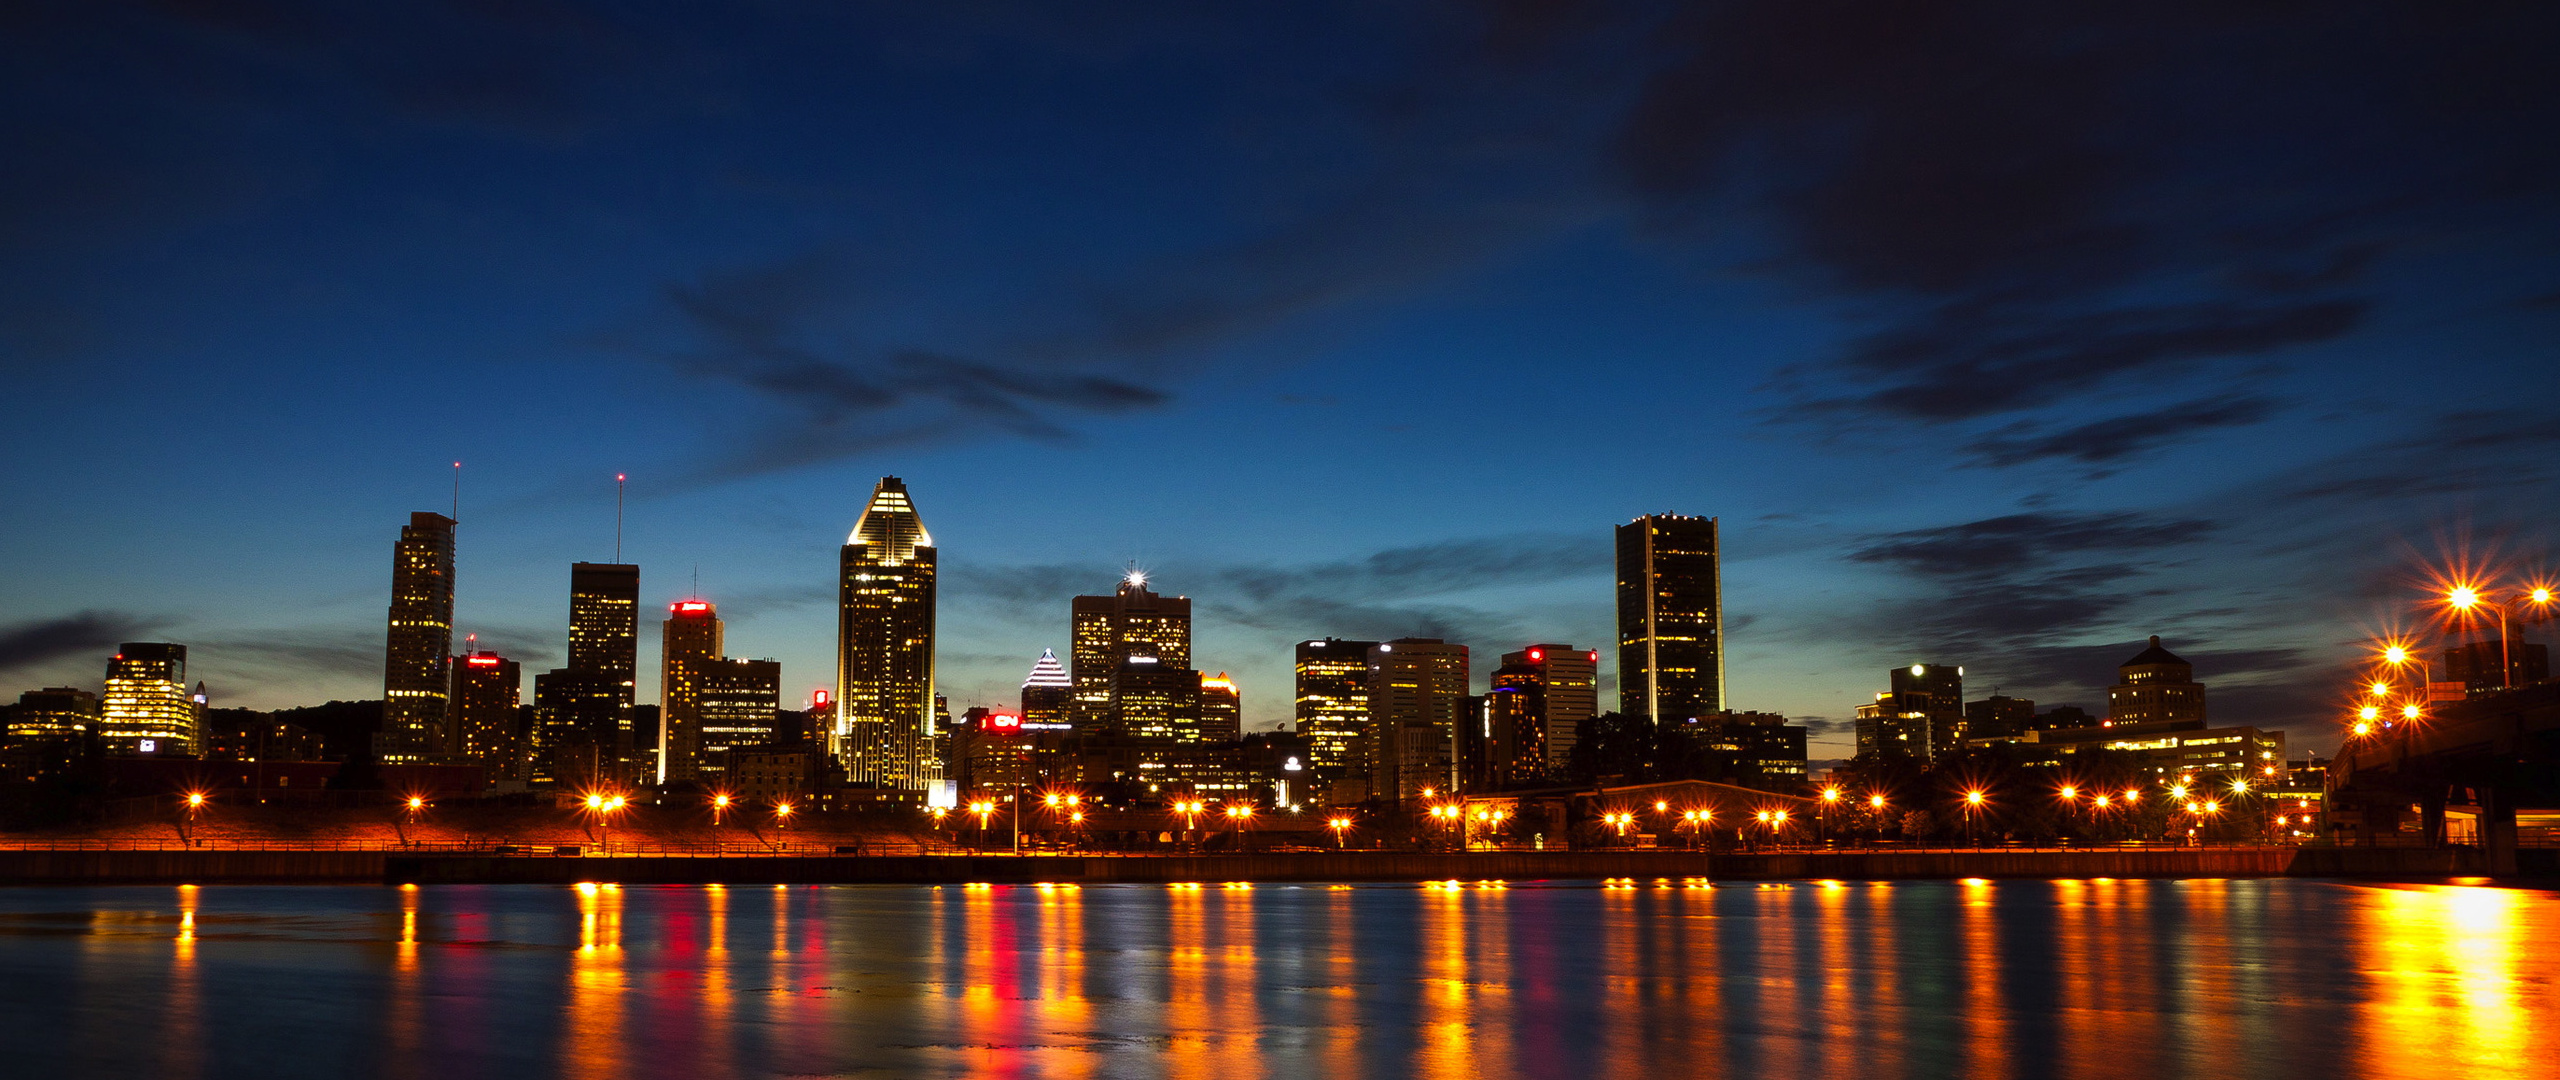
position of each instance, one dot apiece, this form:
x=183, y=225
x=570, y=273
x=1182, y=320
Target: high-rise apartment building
x=1568, y=681
x=1670, y=618
x=55, y=712
x=1417, y=699
x=1509, y=747
x=1998, y=717
x=1221, y=709
x=488, y=690
x=738, y=703
x=884, y=731
x=688, y=644
x=1048, y=694
x=146, y=708
x=418, y=654
x=2154, y=686
x=1333, y=703
x=581, y=731
x=1107, y=630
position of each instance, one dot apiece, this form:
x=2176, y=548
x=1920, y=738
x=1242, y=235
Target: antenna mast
x=617, y=517
x=457, y=491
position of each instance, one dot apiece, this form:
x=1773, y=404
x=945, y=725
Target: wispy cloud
x=95, y=633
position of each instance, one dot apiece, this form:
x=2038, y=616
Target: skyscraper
x=417, y=658
x=688, y=644
x=1670, y=618
x=884, y=645
x=1047, y=693
x=1417, y=697
x=604, y=622
x=739, y=703
x=1153, y=700
x=1568, y=681
x=1107, y=630
x=146, y=708
x=487, y=690
x=1221, y=709
x=55, y=712
x=1333, y=703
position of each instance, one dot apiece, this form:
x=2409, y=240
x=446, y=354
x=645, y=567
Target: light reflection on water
x=1642, y=978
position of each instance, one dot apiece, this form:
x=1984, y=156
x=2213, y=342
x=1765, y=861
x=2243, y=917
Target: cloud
x=2020, y=542
x=87, y=632
x=2118, y=439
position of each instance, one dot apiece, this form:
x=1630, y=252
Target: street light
x=2465, y=598
x=1972, y=804
x=782, y=819
x=719, y=808
x=1339, y=825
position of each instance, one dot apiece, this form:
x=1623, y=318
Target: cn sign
x=1003, y=722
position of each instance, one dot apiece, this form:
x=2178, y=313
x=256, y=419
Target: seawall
x=41, y=867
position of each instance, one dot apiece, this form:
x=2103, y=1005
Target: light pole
x=719, y=808
x=2465, y=598
x=1822, y=820
x=1339, y=825
x=1875, y=814
x=1972, y=805
x=187, y=822
x=781, y=822
x=409, y=808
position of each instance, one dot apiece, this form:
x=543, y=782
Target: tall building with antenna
x=884, y=645
x=418, y=654
x=688, y=643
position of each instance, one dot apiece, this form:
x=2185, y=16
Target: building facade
x=1333, y=703
x=1417, y=701
x=1048, y=694
x=886, y=588
x=1670, y=618
x=418, y=651
x=55, y=712
x=1221, y=709
x=739, y=704
x=488, y=693
x=147, y=708
x=1105, y=631
x=2155, y=687
x=688, y=644
x=1568, y=681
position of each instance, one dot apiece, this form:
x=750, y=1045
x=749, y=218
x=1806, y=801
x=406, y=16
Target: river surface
x=2261, y=978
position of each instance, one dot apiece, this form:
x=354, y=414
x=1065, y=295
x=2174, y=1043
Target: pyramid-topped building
x=1047, y=671
x=884, y=640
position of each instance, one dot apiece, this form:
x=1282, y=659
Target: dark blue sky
x=1996, y=334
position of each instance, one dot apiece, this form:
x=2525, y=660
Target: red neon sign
x=1004, y=722
x=693, y=605
x=482, y=661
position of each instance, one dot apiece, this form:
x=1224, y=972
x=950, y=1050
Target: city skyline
x=1360, y=340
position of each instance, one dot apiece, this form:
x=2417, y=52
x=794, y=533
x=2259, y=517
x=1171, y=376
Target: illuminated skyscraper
x=1108, y=630
x=739, y=704
x=1155, y=701
x=1670, y=618
x=417, y=659
x=487, y=691
x=1921, y=717
x=1221, y=709
x=1417, y=698
x=1568, y=683
x=884, y=645
x=688, y=644
x=1047, y=694
x=2156, y=685
x=604, y=622
x=1333, y=703
x=146, y=708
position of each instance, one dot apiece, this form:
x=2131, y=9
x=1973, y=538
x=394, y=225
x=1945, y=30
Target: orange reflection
x=1986, y=1027
x=595, y=1041
x=1447, y=1046
x=2453, y=970
x=183, y=1048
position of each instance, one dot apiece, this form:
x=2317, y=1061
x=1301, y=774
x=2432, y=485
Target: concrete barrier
x=963, y=869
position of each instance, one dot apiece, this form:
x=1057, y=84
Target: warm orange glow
x=1780, y=817
x=2099, y=800
x=2379, y=689
x=416, y=802
x=2212, y=807
x=1875, y=802
x=1239, y=811
x=1831, y=794
x=195, y=798
x=2069, y=792
x=2395, y=654
x=2540, y=595
x=2177, y=791
x=1973, y=798
x=2411, y=711
x=2362, y=728
x=2370, y=712
x=595, y=802
x=2239, y=786
x=2132, y=796
x=782, y=810
x=2463, y=597
x=721, y=801
x=1660, y=806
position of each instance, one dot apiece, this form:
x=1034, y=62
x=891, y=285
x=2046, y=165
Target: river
x=1564, y=979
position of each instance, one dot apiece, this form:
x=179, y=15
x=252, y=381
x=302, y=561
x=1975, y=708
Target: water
x=2033, y=978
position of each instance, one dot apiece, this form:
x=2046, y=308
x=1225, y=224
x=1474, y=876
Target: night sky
x=1997, y=334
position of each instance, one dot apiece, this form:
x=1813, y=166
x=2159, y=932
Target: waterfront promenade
x=100, y=866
